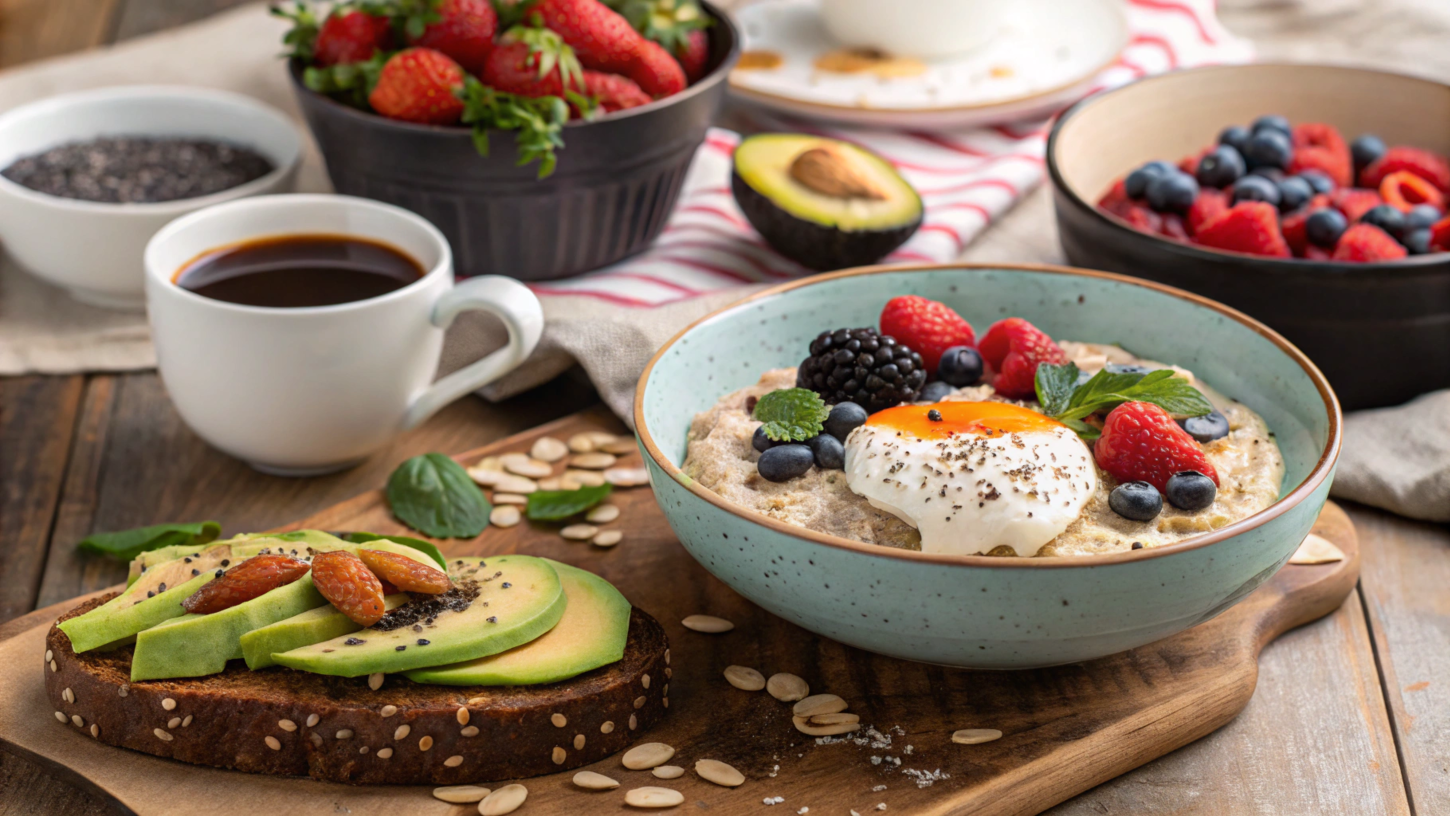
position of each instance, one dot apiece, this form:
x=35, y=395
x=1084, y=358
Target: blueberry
x=1159, y=166
x=1172, y=192
x=785, y=462
x=1294, y=193
x=1121, y=368
x=828, y=452
x=1417, y=241
x=1366, y=149
x=1190, y=490
x=845, y=417
x=1206, y=428
x=1319, y=181
x=935, y=391
x=1220, y=168
x=960, y=366
x=1324, y=227
x=1136, y=184
x=1268, y=148
x=1136, y=501
x=1273, y=174
x=1235, y=136
x=1420, y=216
x=760, y=441
x=1256, y=188
x=1272, y=122
x=1386, y=218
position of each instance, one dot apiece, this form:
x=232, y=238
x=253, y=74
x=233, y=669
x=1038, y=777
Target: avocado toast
x=300, y=713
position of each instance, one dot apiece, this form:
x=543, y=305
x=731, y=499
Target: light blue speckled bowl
x=977, y=611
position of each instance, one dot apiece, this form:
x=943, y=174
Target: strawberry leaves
x=1066, y=398
x=349, y=82
x=539, y=122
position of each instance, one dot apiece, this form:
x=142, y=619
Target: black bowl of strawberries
x=545, y=138
x=1312, y=197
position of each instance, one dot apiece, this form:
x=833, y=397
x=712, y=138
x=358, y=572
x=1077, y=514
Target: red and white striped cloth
x=967, y=179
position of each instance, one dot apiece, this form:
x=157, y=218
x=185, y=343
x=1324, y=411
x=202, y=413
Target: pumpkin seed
x=653, y=798
x=668, y=771
x=593, y=461
x=504, y=800
x=505, y=515
x=579, y=532
x=515, y=484
x=707, y=623
x=581, y=443
x=647, y=755
x=603, y=514
x=627, y=477
x=586, y=478
x=713, y=770
x=608, y=538
x=528, y=468
x=620, y=447
x=589, y=780
x=459, y=794
x=510, y=498
x=786, y=687
x=818, y=704
x=549, y=449
x=486, y=477
x=551, y=483
x=975, y=736
x=744, y=678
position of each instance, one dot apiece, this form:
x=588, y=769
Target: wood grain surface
x=1067, y=729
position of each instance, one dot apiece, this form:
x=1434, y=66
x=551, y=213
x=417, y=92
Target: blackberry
x=864, y=367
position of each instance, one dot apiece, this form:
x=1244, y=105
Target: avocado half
x=823, y=203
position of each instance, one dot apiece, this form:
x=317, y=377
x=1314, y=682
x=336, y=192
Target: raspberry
x=1319, y=146
x=1249, y=226
x=1403, y=190
x=1116, y=199
x=1209, y=205
x=1173, y=227
x=1143, y=219
x=1440, y=234
x=1422, y=163
x=1142, y=443
x=250, y=579
x=1014, y=348
x=404, y=573
x=1315, y=253
x=1189, y=164
x=347, y=583
x=1293, y=225
x=1367, y=243
x=1354, y=202
x=927, y=326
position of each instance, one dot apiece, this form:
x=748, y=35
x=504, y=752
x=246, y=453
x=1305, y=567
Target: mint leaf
x=427, y=547
x=792, y=414
x=555, y=505
x=125, y=545
x=1055, y=386
x=435, y=496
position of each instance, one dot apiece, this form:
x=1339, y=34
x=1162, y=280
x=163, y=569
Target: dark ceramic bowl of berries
x=544, y=144
x=1311, y=197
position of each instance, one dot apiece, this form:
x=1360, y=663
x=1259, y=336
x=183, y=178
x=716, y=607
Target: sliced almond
x=709, y=624
x=461, y=794
x=1316, y=550
x=510, y=498
x=581, y=443
x=607, y=538
x=593, y=461
x=627, y=477
x=667, y=771
x=587, y=478
x=713, y=770
x=744, y=678
x=579, y=532
x=509, y=483
x=505, y=515
x=589, y=780
x=506, y=799
x=975, y=736
x=787, y=687
x=603, y=514
x=549, y=449
x=647, y=755
x=653, y=798
x=824, y=730
x=818, y=704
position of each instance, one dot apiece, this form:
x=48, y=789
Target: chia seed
x=423, y=641
x=138, y=170
x=353, y=642
x=427, y=607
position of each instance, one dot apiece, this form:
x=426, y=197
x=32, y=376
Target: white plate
x=1047, y=53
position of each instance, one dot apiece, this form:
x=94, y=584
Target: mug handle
x=520, y=312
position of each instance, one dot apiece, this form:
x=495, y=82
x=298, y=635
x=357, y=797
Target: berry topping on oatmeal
x=864, y=367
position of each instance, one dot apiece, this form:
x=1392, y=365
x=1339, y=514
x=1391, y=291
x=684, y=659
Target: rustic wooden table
x=1352, y=714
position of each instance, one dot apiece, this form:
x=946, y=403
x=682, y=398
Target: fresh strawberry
x=1367, y=243
x=404, y=573
x=678, y=25
x=1317, y=253
x=606, y=42
x=250, y=579
x=1014, y=349
x=1422, y=163
x=461, y=29
x=1140, y=442
x=1403, y=190
x=533, y=62
x=612, y=92
x=1440, y=235
x=1293, y=228
x=347, y=583
x=419, y=85
x=1354, y=202
x=1250, y=226
x=926, y=326
x=350, y=36
x=1337, y=167
x=1209, y=205
x=694, y=54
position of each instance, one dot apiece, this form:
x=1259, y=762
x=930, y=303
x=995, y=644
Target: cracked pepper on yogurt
x=919, y=436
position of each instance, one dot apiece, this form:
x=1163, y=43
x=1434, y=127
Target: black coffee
x=295, y=271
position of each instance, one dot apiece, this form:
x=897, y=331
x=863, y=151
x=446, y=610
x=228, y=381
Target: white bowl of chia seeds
x=87, y=178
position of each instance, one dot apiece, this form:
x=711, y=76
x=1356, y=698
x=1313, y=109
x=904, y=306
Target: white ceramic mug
x=926, y=29
x=302, y=391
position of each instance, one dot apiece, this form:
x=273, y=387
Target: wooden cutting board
x=1066, y=729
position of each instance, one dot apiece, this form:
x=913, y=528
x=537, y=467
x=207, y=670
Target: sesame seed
x=402, y=731
x=644, y=681
x=287, y=725
x=388, y=710
x=312, y=720
x=363, y=750
x=375, y=681
x=385, y=753
x=453, y=761
x=633, y=722
x=578, y=742
x=76, y=719
x=272, y=742
x=168, y=704
x=607, y=727
x=95, y=730
x=462, y=716
x=60, y=716
x=470, y=731
x=53, y=667
x=559, y=720
x=344, y=733
x=162, y=734
x=639, y=701
x=559, y=755
x=49, y=655
x=425, y=743
x=186, y=722
x=68, y=695
x=173, y=722
x=123, y=691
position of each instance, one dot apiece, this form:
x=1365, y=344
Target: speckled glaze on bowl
x=977, y=611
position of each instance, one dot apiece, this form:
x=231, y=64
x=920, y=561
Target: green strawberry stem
x=539, y=122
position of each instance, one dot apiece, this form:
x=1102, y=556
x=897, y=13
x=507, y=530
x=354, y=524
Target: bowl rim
x=243, y=104
x=705, y=83
x=1317, y=476
x=1432, y=262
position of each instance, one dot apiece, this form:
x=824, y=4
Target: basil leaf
x=1055, y=386
x=554, y=505
x=427, y=547
x=791, y=414
x=435, y=496
x=127, y=544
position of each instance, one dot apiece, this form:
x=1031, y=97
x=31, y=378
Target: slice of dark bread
x=280, y=721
